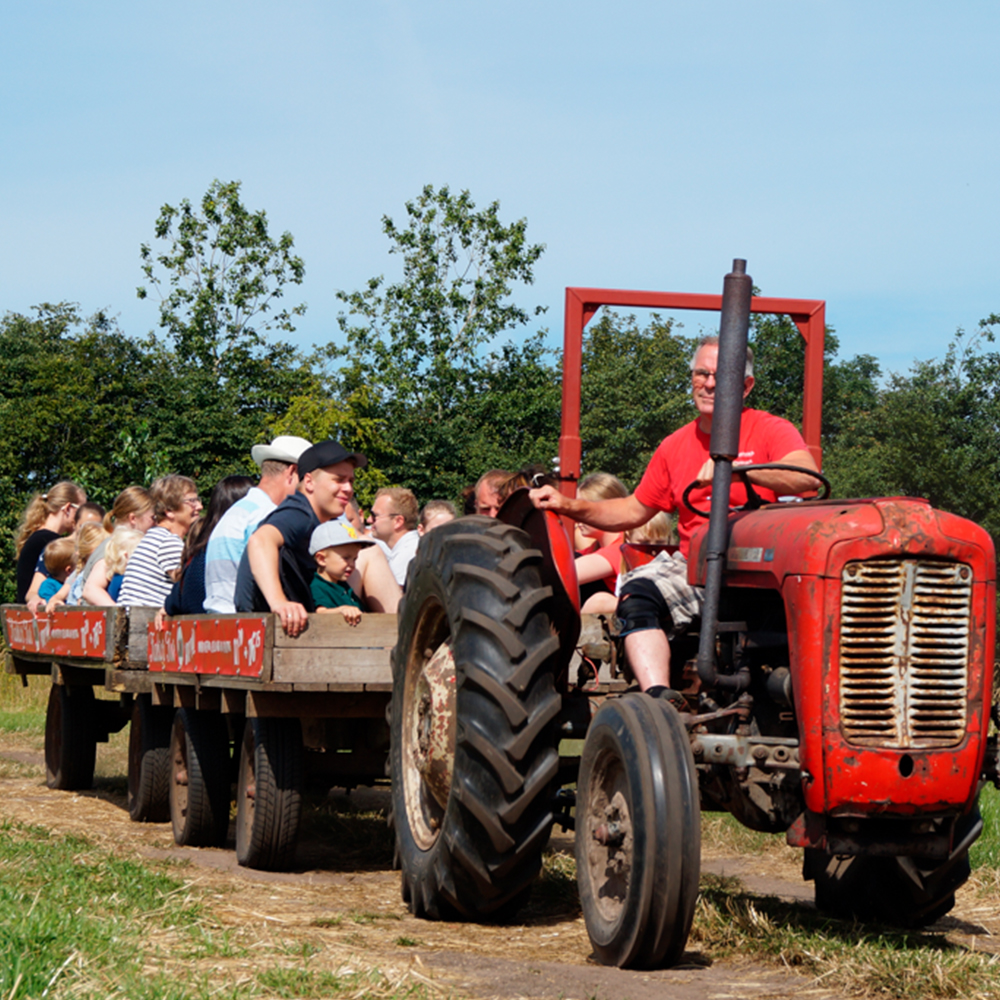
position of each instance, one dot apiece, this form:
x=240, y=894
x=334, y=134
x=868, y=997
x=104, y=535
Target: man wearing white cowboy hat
x=279, y=478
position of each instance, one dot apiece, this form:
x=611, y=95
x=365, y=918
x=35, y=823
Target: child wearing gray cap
x=335, y=546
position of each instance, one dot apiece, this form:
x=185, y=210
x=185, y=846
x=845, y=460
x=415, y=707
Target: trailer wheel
x=638, y=833
x=269, y=793
x=70, y=737
x=149, y=761
x=473, y=749
x=199, y=778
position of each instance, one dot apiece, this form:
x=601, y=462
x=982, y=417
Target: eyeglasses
x=373, y=517
x=194, y=502
x=701, y=375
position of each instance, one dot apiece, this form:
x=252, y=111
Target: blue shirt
x=226, y=546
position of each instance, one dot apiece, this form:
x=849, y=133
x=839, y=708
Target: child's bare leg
x=373, y=580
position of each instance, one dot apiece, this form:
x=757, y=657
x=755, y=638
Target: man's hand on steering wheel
x=741, y=471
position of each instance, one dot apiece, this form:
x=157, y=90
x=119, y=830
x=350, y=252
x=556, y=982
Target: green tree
x=635, y=390
x=931, y=433
x=415, y=380
x=222, y=382
x=71, y=392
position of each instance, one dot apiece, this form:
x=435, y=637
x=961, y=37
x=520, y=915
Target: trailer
x=217, y=701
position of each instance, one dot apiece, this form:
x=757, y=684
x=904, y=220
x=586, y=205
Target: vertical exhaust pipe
x=724, y=448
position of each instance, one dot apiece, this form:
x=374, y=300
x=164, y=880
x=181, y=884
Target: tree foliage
x=635, y=390
x=418, y=379
x=219, y=279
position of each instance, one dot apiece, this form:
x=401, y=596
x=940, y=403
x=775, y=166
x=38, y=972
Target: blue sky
x=848, y=150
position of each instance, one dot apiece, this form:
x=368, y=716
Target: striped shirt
x=146, y=582
x=226, y=546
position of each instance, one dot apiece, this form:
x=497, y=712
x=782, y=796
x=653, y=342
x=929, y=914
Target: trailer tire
x=269, y=793
x=149, y=761
x=473, y=749
x=199, y=778
x=638, y=833
x=70, y=737
x=900, y=891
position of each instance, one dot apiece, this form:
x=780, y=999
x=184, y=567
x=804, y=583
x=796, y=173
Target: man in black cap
x=276, y=569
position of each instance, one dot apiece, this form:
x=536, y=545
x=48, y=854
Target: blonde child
x=335, y=546
x=87, y=537
x=121, y=545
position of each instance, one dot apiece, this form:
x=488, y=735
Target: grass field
x=80, y=922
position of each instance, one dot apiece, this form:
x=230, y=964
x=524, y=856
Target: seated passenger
x=598, y=566
x=335, y=547
x=227, y=539
x=394, y=517
x=58, y=556
x=121, y=545
x=188, y=594
x=277, y=568
x=435, y=513
x=485, y=496
x=133, y=509
x=155, y=564
x=47, y=516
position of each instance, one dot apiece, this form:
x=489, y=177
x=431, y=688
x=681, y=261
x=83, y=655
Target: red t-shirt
x=612, y=555
x=679, y=458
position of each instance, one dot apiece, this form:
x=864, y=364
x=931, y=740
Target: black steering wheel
x=753, y=497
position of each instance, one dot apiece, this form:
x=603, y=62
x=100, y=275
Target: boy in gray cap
x=336, y=546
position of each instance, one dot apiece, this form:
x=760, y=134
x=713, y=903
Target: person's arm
x=31, y=599
x=263, y=553
x=781, y=482
x=619, y=514
x=593, y=566
x=373, y=582
x=352, y=615
x=95, y=590
x=59, y=597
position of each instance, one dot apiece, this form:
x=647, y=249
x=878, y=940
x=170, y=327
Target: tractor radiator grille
x=904, y=653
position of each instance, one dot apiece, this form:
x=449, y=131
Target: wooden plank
x=313, y=704
x=376, y=631
x=128, y=681
x=331, y=666
x=21, y=665
x=234, y=702
x=137, y=654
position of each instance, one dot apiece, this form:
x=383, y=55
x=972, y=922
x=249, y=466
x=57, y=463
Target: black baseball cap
x=328, y=452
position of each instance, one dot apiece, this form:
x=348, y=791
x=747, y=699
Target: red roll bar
x=581, y=305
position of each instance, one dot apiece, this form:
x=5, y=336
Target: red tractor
x=837, y=689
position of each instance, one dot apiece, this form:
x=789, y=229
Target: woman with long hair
x=47, y=517
x=133, y=508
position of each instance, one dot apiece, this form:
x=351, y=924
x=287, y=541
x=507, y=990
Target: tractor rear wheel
x=149, y=761
x=473, y=750
x=638, y=833
x=70, y=737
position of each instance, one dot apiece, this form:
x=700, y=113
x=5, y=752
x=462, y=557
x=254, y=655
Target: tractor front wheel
x=638, y=833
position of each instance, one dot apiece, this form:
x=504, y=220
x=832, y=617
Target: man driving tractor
x=656, y=601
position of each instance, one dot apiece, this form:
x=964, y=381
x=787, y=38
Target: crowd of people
x=297, y=542
x=293, y=542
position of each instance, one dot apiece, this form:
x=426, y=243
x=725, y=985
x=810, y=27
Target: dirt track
x=350, y=909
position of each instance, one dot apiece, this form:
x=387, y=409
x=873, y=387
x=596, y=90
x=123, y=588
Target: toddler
x=121, y=545
x=58, y=558
x=335, y=547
